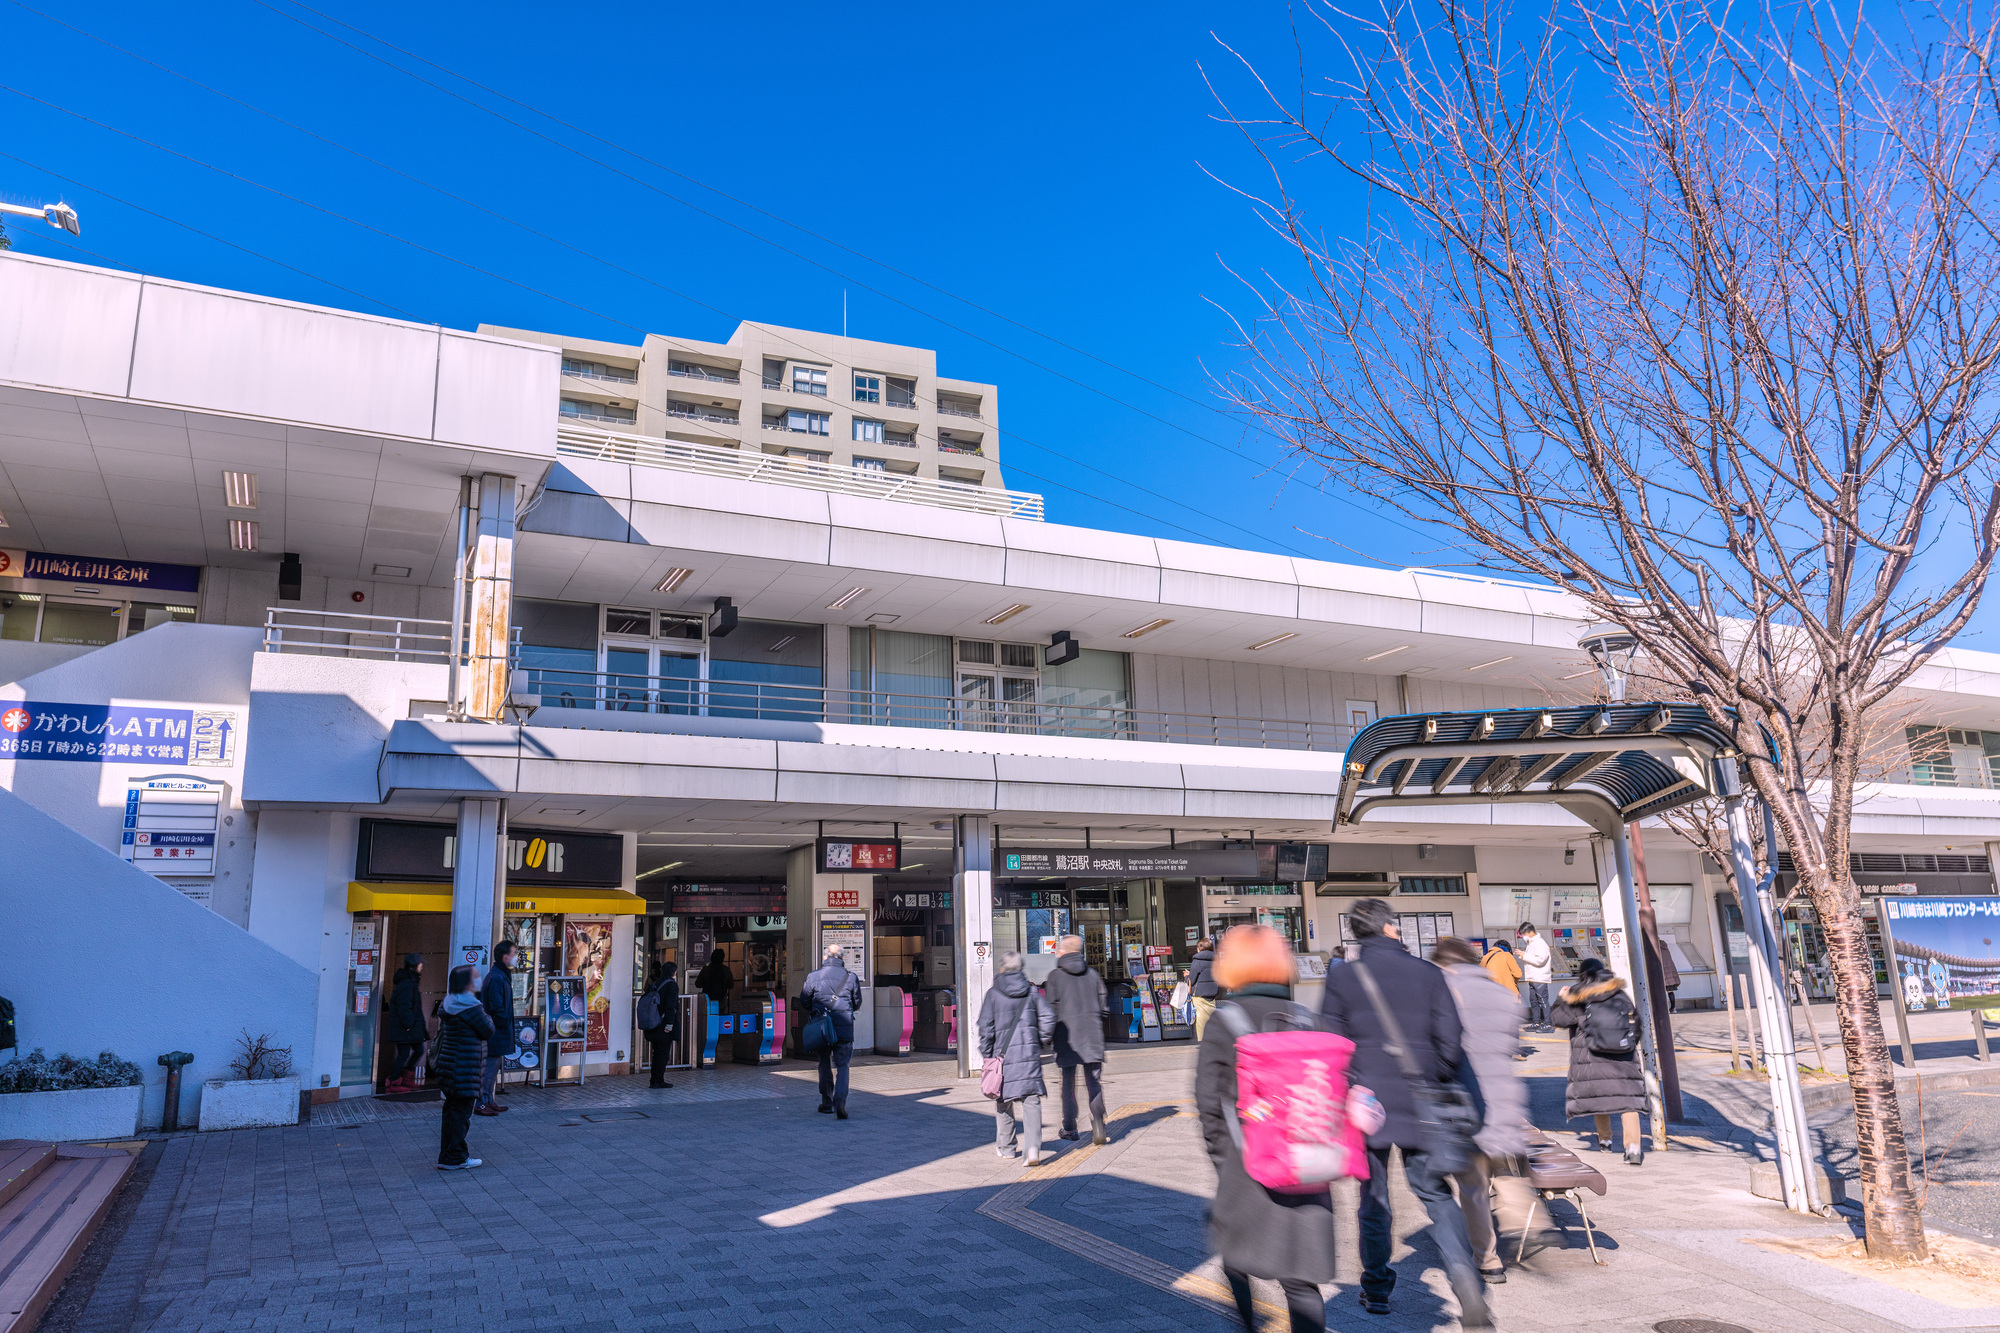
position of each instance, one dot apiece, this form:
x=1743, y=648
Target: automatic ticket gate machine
x=758, y=1036
x=935, y=1025
x=895, y=1020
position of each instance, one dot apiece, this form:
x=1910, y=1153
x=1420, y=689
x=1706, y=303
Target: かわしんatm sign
x=852, y=856
x=103, y=733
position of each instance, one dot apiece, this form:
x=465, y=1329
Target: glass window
x=147, y=615
x=546, y=624
x=867, y=389
x=809, y=455
x=558, y=650
x=809, y=379
x=19, y=611
x=870, y=464
x=913, y=670
x=1091, y=696
x=681, y=627
x=620, y=621
x=809, y=423
x=768, y=669
x=975, y=650
x=93, y=624
x=869, y=432
x=1431, y=884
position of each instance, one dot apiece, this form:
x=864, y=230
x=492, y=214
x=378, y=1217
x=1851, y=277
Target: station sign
x=402, y=850
x=1032, y=900
x=859, y=856
x=726, y=899
x=1216, y=863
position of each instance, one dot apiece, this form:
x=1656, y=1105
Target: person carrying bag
x=1015, y=1026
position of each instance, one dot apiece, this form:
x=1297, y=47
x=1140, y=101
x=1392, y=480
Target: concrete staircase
x=52, y=1200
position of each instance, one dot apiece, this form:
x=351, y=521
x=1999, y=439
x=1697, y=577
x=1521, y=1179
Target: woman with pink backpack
x=1280, y=1123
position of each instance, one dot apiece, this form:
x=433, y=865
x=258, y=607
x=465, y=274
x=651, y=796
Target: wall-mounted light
x=723, y=621
x=1146, y=628
x=1002, y=617
x=841, y=602
x=239, y=489
x=1495, y=662
x=674, y=579
x=1425, y=850
x=1274, y=639
x=1388, y=652
x=1063, y=649
x=242, y=534
x=291, y=577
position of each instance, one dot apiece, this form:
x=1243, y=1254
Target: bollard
x=170, y=1120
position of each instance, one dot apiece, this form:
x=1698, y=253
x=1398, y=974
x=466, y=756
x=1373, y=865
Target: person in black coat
x=1602, y=1085
x=832, y=989
x=1076, y=993
x=497, y=994
x=1420, y=1001
x=667, y=994
x=464, y=1028
x=714, y=980
x=1201, y=984
x=406, y=1028
x=1257, y=1231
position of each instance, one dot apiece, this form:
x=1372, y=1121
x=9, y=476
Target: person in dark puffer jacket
x=1601, y=1085
x=1201, y=985
x=406, y=1027
x=463, y=1031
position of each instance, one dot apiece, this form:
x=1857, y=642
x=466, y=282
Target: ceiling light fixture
x=1495, y=662
x=1004, y=616
x=883, y=618
x=658, y=869
x=1576, y=675
x=392, y=571
x=1276, y=638
x=240, y=489
x=674, y=579
x=1146, y=628
x=840, y=603
x=242, y=534
x=3, y=520
x=783, y=643
x=1390, y=652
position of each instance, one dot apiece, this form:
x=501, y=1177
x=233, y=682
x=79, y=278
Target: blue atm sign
x=94, y=733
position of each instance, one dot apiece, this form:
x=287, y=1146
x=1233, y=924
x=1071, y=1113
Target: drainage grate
x=1697, y=1326
x=599, y=1117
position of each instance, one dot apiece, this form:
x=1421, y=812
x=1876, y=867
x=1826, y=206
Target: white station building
x=328, y=639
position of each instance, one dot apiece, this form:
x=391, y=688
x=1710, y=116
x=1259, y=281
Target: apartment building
x=814, y=399
x=261, y=560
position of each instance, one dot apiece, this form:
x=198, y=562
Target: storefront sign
x=1226, y=862
x=726, y=899
x=95, y=733
x=849, y=856
x=399, y=850
x=142, y=575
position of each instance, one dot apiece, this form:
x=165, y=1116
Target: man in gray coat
x=1016, y=1024
x=1076, y=994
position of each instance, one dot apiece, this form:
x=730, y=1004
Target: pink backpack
x=1292, y=1120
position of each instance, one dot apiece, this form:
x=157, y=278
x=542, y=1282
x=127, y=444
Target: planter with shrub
x=264, y=1093
x=68, y=1098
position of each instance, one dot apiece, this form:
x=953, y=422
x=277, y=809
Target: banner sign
x=726, y=899
x=140, y=575
x=394, y=849
x=1226, y=862
x=1946, y=957
x=94, y=733
x=860, y=856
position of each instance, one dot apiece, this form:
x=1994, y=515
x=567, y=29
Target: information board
x=1946, y=956
x=848, y=930
x=171, y=824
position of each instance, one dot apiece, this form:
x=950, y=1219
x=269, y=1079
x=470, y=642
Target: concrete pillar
x=478, y=879
x=972, y=915
x=809, y=897
x=489, y=594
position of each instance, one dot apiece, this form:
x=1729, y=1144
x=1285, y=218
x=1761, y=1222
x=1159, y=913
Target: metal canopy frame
x=1610, y=765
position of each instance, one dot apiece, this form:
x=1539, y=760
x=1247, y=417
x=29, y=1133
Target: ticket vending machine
x=760, y=1030
x=895, y=1020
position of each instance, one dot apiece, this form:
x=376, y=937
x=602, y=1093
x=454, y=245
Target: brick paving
x=725, y=1203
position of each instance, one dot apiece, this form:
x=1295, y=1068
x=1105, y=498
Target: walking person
x=1201, y=976
x=406, y=1027
x=1076, y=993
x=714, y=980
x=1506, y=969
x=1414, y=1022
x=497, y=994
x=662, y=1004
x=1016, y=1025
x=1489, y=1015
x=1537, y=970
x=1605, y=1077
x=1258, y=1232
x=833, y=990
x=464, y=1028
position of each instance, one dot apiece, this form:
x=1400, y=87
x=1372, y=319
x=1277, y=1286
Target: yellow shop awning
x=520, y=898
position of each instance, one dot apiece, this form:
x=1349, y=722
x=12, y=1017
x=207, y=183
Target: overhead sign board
x=137, y=575
x=1217, y=863
x=726, y=899
x=117, y=733
x=859, y=856
x=399, y=850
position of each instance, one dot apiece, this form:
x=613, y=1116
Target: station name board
x=1219, y=863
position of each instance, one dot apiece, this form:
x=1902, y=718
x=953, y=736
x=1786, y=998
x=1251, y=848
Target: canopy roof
x=1608, y=764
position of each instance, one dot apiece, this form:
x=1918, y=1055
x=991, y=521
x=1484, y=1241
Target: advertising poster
x=1946, y=957
x=586, y=954
x=568, y=1019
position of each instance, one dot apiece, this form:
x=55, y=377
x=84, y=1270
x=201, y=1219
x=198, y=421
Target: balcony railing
x=677, y=696
x=697, y=373
x=954, y=447
x=959, y=412
x=568, y=415
x=291, y=629
x=717, y=461
x=696, y=414
x=1946, y=773
x=907, y=404
x=594, y=375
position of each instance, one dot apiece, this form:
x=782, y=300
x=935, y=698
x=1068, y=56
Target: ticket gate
x=759, y=1030
x=936, y=1021
x=895, y=1020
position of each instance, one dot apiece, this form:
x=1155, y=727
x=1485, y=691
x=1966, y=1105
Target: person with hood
x=715, y=979
x=497, y=994
x=1603, y=1083
x=1506, y=970
x=1418, y=1001
x=1489, y=1015
x=666, y=994
x=1257, y=1231
x=832, y=989
x=406, y=1027
x=1538, y=970
x=464, y=1028
x=1076, y=994
x=1016, y=1024
x=1201, y=984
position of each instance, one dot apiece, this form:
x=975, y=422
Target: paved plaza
x=725, y=1203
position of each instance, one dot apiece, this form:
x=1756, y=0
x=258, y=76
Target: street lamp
x=57, y=215
x=1612, y=649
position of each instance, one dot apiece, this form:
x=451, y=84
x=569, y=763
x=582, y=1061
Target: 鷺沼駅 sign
x=1221, y=862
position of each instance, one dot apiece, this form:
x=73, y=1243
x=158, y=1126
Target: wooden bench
x=52, y=1200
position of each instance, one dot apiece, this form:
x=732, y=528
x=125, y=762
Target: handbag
x=993, y=1077
x=1448, y=1114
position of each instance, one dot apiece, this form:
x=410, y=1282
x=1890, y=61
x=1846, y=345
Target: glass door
x=996, y=702
x=642, y=678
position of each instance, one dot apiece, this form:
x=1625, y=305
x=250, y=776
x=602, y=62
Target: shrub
x=256, y=1057
x=66, y=1073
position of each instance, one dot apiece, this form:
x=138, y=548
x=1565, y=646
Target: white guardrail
x=752, y=465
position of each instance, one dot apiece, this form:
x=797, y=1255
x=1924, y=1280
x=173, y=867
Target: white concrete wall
x=305, y=859
x=318, y=723
x=19, y=659
x=243, y=596
x=173, y=666
x=106, y=957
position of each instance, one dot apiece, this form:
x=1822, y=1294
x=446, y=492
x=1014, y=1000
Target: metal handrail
x=704, y=375
x=954, y=447
x=593, y=375
x=596, y=416
x=686, y=414
x=613, y=692
x=958, y=412
x=367, y=638
x=717, y=461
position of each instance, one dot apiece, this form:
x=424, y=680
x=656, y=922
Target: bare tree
x=1691, y=310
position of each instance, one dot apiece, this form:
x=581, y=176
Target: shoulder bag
x=992, y=1078
x=1447, y=1115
